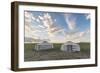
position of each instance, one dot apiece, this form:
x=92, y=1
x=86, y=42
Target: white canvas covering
x=70, y=47
x=43, y=46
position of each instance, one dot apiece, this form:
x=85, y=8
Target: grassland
x=30, y=54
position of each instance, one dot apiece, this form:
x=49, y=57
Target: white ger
x=70, y=47
x=43, y=46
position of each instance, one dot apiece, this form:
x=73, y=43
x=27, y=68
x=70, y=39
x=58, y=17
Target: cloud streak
x=88, y=16
x=49, y=24
x=71, y=21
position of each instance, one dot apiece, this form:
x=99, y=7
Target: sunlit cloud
x=48, y=23
x=44, y=26
x=78, y=36
x=30, y=31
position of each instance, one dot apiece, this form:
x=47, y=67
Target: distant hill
x=30, y=40
x=84, y=43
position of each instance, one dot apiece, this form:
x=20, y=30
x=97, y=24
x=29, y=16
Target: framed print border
x=15, y=35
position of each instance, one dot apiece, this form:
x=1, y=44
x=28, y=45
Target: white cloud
x=71, y=21
x=33, y=18
x=81, y=34
x=30, y=17
x=55, y=20
x=41, y=26
x=37, y=20
x=47, y=28
x=48, y=23
x=40, y=17
x=30, y=31
x=78, y=36
x=88, y=16
x=73, y=34
x=27, y=14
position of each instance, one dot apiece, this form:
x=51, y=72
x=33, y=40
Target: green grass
x=30, y=54
x=85, y=47
x=29, y=45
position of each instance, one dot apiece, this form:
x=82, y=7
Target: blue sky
x=57, y=27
